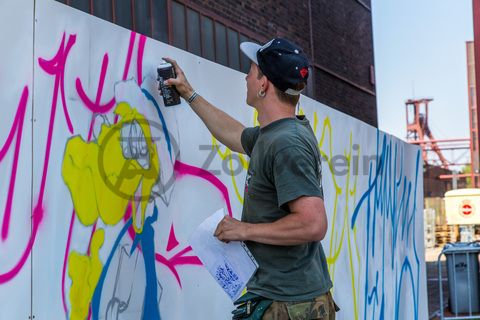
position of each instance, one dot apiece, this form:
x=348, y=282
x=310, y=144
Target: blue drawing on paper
x=228, y=279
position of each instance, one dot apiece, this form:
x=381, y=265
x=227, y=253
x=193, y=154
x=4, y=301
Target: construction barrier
x=101, y=184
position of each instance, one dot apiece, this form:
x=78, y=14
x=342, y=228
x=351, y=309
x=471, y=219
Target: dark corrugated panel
x=208, y=43
x=83, y=5
x=233, y=49
x=142, y=17
x=103, y=9
x=221, y=44
x=123, y=13
x=160, y=20
x=178, y=17
x=193, y=32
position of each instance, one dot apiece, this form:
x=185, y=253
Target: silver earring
x=261, y=94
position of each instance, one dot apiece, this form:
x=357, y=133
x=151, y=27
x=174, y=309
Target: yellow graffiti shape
x=228, y=155
x=325, y=144
x=84, y=272
x=102, y=180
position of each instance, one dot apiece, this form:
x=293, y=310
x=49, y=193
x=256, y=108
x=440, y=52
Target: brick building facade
x=336, y=35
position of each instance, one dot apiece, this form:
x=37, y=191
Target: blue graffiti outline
x=149, y=96
x=98, y=289
x=147, y=244
x=146, y=241
x=386, y=186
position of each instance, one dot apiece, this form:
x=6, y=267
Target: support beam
x=476, y=37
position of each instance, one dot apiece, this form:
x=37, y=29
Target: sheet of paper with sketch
x=231, y=264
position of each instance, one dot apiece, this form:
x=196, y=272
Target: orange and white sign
x=462, y=206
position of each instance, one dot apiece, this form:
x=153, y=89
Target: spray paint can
x=165, y=71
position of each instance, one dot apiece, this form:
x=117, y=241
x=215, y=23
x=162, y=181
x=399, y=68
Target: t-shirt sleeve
x=248, y=139
x=297, y=172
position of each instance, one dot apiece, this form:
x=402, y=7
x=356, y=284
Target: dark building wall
x=342, y=44
x=343, y=55
x=266, y=18
x=336, y=35
x=433, y=186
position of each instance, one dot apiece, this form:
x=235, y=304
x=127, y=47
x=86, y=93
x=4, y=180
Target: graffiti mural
x=101, y=184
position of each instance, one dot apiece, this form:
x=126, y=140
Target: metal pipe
x=469, y=291
x=312, y=46
x=458, y=163
x=476, y=44
x=455, y=284
x=450, y=148
x=439, y=263
x=439, y=140
x=170, y=21
x=461, y=175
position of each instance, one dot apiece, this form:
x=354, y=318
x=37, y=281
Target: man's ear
x=265, y=83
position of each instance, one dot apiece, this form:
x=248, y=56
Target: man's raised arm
x=224, y=128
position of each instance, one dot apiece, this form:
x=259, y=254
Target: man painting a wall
x=61, y=81
x=283, y=217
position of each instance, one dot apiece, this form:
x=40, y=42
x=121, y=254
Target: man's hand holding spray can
x=172, y=83
x=165, y=71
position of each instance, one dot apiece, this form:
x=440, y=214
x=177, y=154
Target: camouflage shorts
x=321, y=308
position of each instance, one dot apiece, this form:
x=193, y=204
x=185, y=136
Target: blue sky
x=420, y=51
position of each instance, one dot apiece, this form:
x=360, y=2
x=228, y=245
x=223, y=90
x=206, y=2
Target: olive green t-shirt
x=284, y=165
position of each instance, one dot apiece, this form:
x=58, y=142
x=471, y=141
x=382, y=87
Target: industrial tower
x=418, y=130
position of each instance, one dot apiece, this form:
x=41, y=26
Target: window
x=472, y=96
x=142, y=22
x=160, y=20
x=123, y=14
x=103, y=9
x=233, y=49
x=244, y=61
x=178, y=17
x=221, y=44
x=473, y=116
x=83, y=5
x=193, y=34
x=180, y=24
x=208, y=44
